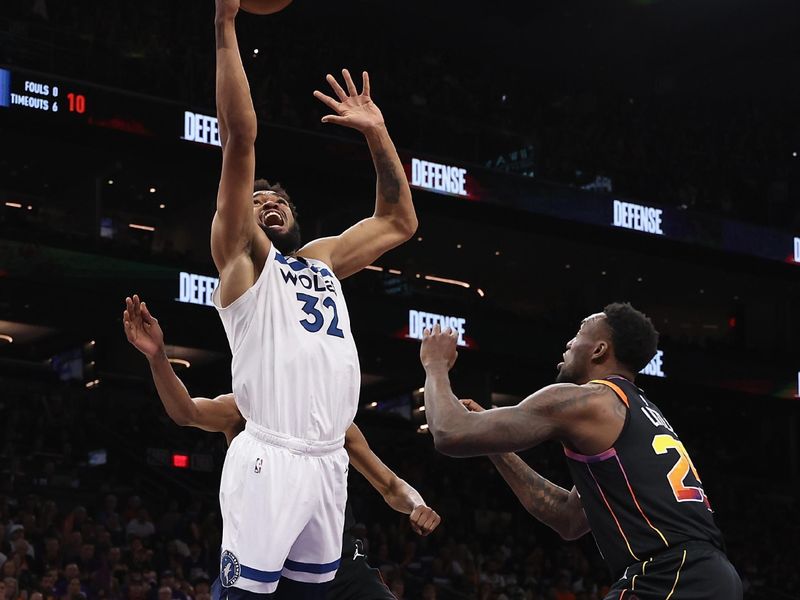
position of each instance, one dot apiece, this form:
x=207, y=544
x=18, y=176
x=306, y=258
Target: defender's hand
x=439, y=347
x=472, y=406
x=424, y=520
x=354, y=110
x=142, y=328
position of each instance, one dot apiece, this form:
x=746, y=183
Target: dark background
x=688, y=106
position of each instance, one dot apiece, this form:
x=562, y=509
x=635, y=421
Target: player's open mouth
x=272, y=219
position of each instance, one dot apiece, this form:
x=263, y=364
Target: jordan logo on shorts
x=229, y=569
x=257, y=468
x=357, y=553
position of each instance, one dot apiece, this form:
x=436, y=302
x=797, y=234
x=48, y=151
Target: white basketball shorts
x=282, y=501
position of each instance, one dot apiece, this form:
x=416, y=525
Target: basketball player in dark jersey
x=355, y=579
x=636, y=488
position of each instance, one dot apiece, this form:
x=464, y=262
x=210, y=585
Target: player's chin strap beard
x=285, y=243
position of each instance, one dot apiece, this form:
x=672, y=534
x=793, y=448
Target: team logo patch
x=229, y=569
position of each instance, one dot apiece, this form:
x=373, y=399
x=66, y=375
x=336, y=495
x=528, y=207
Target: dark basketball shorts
x=355, y=579
x=690, y=571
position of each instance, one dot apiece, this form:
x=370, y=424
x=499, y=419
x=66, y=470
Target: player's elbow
x=449, y=444
x=573, y=529
x=407, y=226
x=241, y=135
x=181, y=420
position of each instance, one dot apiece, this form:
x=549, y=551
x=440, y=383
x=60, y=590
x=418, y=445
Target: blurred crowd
x=73, y=530
x=677, y=142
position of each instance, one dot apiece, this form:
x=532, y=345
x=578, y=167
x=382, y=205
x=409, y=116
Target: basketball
x=264, y=7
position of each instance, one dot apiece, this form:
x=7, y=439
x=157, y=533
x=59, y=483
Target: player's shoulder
x=560, y=398
x=319, y=250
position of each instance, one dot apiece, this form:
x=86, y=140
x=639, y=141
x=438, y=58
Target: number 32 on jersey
x=316, y=319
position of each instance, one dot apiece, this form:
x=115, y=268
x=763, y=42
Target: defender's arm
x=145, y=334
x=565, y=412
x=551, y=504
x=397, y=492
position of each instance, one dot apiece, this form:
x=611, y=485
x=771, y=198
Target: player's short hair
x=262, y=185
x=633, y=335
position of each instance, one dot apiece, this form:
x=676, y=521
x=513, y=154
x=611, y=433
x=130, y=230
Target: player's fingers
x=348, y=81
x=337, y=89
x=434, y=522
x=327, y=100
x=437, y=329
x=430, y=522
x=146, y=313
x=365, y=83
x=426, y=333
x=415, y=528
x=336, y=120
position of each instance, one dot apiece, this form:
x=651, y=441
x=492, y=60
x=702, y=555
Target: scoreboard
x=40, y=93
x=46, y=98
x=59, y=100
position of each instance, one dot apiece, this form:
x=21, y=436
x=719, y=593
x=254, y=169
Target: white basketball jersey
x=295, y=365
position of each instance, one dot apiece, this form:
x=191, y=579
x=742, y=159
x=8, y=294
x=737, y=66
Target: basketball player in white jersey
x=295, y=368
x=354, y=580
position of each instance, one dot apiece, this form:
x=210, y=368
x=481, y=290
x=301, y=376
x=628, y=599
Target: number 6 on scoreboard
x=683, y=493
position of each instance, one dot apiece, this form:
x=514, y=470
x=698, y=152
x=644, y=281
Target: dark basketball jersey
x=643, y=495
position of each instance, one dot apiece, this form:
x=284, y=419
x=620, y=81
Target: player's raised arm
x=215, y=415
x=564, y=412
x=394, y=220
x=234, y=240
x=397, y=493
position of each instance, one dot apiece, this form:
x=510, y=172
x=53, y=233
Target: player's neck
x=611, y=371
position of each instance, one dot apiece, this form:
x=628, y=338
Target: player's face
x=274, y=216
x=578, y=355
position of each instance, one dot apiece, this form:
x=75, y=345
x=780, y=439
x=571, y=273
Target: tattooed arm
x=584, y=417
x=549, y=503
x=394, y=220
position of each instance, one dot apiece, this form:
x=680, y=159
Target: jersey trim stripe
x=633, y=581
x=261, y=576
x=636, y=502
x=616, y=388
x=677, y=576
x=311, y=567
x=590, y=458
x=611, y=510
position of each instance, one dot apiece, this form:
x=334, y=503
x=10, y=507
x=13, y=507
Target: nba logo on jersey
x=229, y=569
x=257, y=468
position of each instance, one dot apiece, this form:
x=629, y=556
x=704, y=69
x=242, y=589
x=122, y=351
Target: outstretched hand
x=439, y=347
x=354, y=110
x=142, y=328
